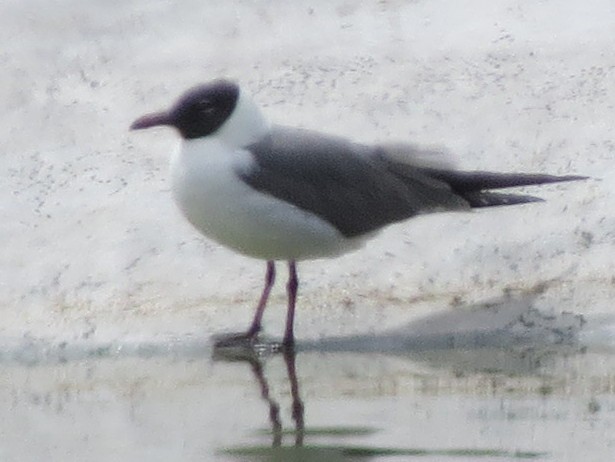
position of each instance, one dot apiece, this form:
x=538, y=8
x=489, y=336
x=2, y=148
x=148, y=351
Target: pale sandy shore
x=94, y=246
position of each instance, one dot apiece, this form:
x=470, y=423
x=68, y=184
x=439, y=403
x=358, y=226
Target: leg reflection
x=274, y=408
x=257, y=365
x=297, y=404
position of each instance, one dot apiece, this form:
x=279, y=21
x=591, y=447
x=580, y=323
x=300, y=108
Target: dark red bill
x=151, y=120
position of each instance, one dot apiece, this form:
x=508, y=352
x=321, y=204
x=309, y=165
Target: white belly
x=225, y=209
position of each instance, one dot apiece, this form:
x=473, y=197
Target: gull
x=279, y=193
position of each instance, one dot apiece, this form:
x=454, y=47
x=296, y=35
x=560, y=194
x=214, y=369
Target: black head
x=199, y=112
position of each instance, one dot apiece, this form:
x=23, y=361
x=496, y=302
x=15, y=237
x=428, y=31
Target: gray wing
x=356, y=188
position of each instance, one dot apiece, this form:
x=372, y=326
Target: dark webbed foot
x=236, y=339
x=245, y=345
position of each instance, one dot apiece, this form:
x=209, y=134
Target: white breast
x=222, y=207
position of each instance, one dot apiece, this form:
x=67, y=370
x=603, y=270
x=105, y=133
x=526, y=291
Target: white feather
x=220, y=205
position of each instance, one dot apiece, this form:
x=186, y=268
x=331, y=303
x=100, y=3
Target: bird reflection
x=256, y=359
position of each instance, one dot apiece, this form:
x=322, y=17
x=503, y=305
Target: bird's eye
x=205, y=106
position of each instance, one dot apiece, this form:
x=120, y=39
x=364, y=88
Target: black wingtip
x=480, y=199
x=573, y=177
x=542, y=179
x=479, y=181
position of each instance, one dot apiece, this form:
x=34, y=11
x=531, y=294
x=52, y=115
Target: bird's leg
x=262, y=303
x=250, y=335
x=291, y=287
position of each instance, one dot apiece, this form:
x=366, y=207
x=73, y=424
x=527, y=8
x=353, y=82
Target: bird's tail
x=475, y=187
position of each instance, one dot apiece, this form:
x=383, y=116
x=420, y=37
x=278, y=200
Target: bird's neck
x=245, y=126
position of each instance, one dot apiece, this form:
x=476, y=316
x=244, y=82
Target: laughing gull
x=280, y=193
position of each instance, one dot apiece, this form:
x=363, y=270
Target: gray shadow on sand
x=482, y=334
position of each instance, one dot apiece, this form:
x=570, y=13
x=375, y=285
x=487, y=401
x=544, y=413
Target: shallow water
x=185, y=403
